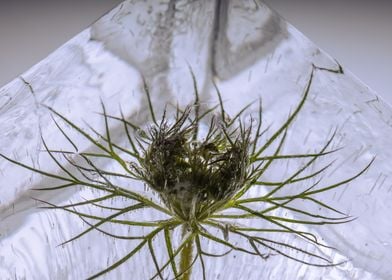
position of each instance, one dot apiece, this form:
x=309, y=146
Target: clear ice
x=250, y=52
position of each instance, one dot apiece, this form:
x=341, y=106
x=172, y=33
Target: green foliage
x=203, y=182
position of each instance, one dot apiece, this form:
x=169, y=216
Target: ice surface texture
x=251, y=52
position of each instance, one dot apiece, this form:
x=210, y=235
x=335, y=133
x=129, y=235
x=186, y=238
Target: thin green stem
x=186, y=257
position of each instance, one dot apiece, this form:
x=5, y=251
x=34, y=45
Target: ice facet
x=250, y=52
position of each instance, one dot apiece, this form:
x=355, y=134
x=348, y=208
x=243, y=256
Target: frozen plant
x=200, y=184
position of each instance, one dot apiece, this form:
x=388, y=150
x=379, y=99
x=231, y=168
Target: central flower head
x=192, y=174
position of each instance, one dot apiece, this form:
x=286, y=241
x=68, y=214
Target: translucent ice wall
x=251, y=53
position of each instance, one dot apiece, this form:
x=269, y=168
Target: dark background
x=358, y=33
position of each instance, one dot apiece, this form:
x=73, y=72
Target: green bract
x=191, y=176
x=202, y=180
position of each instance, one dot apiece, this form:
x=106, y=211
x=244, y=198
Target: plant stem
x=186, y=257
